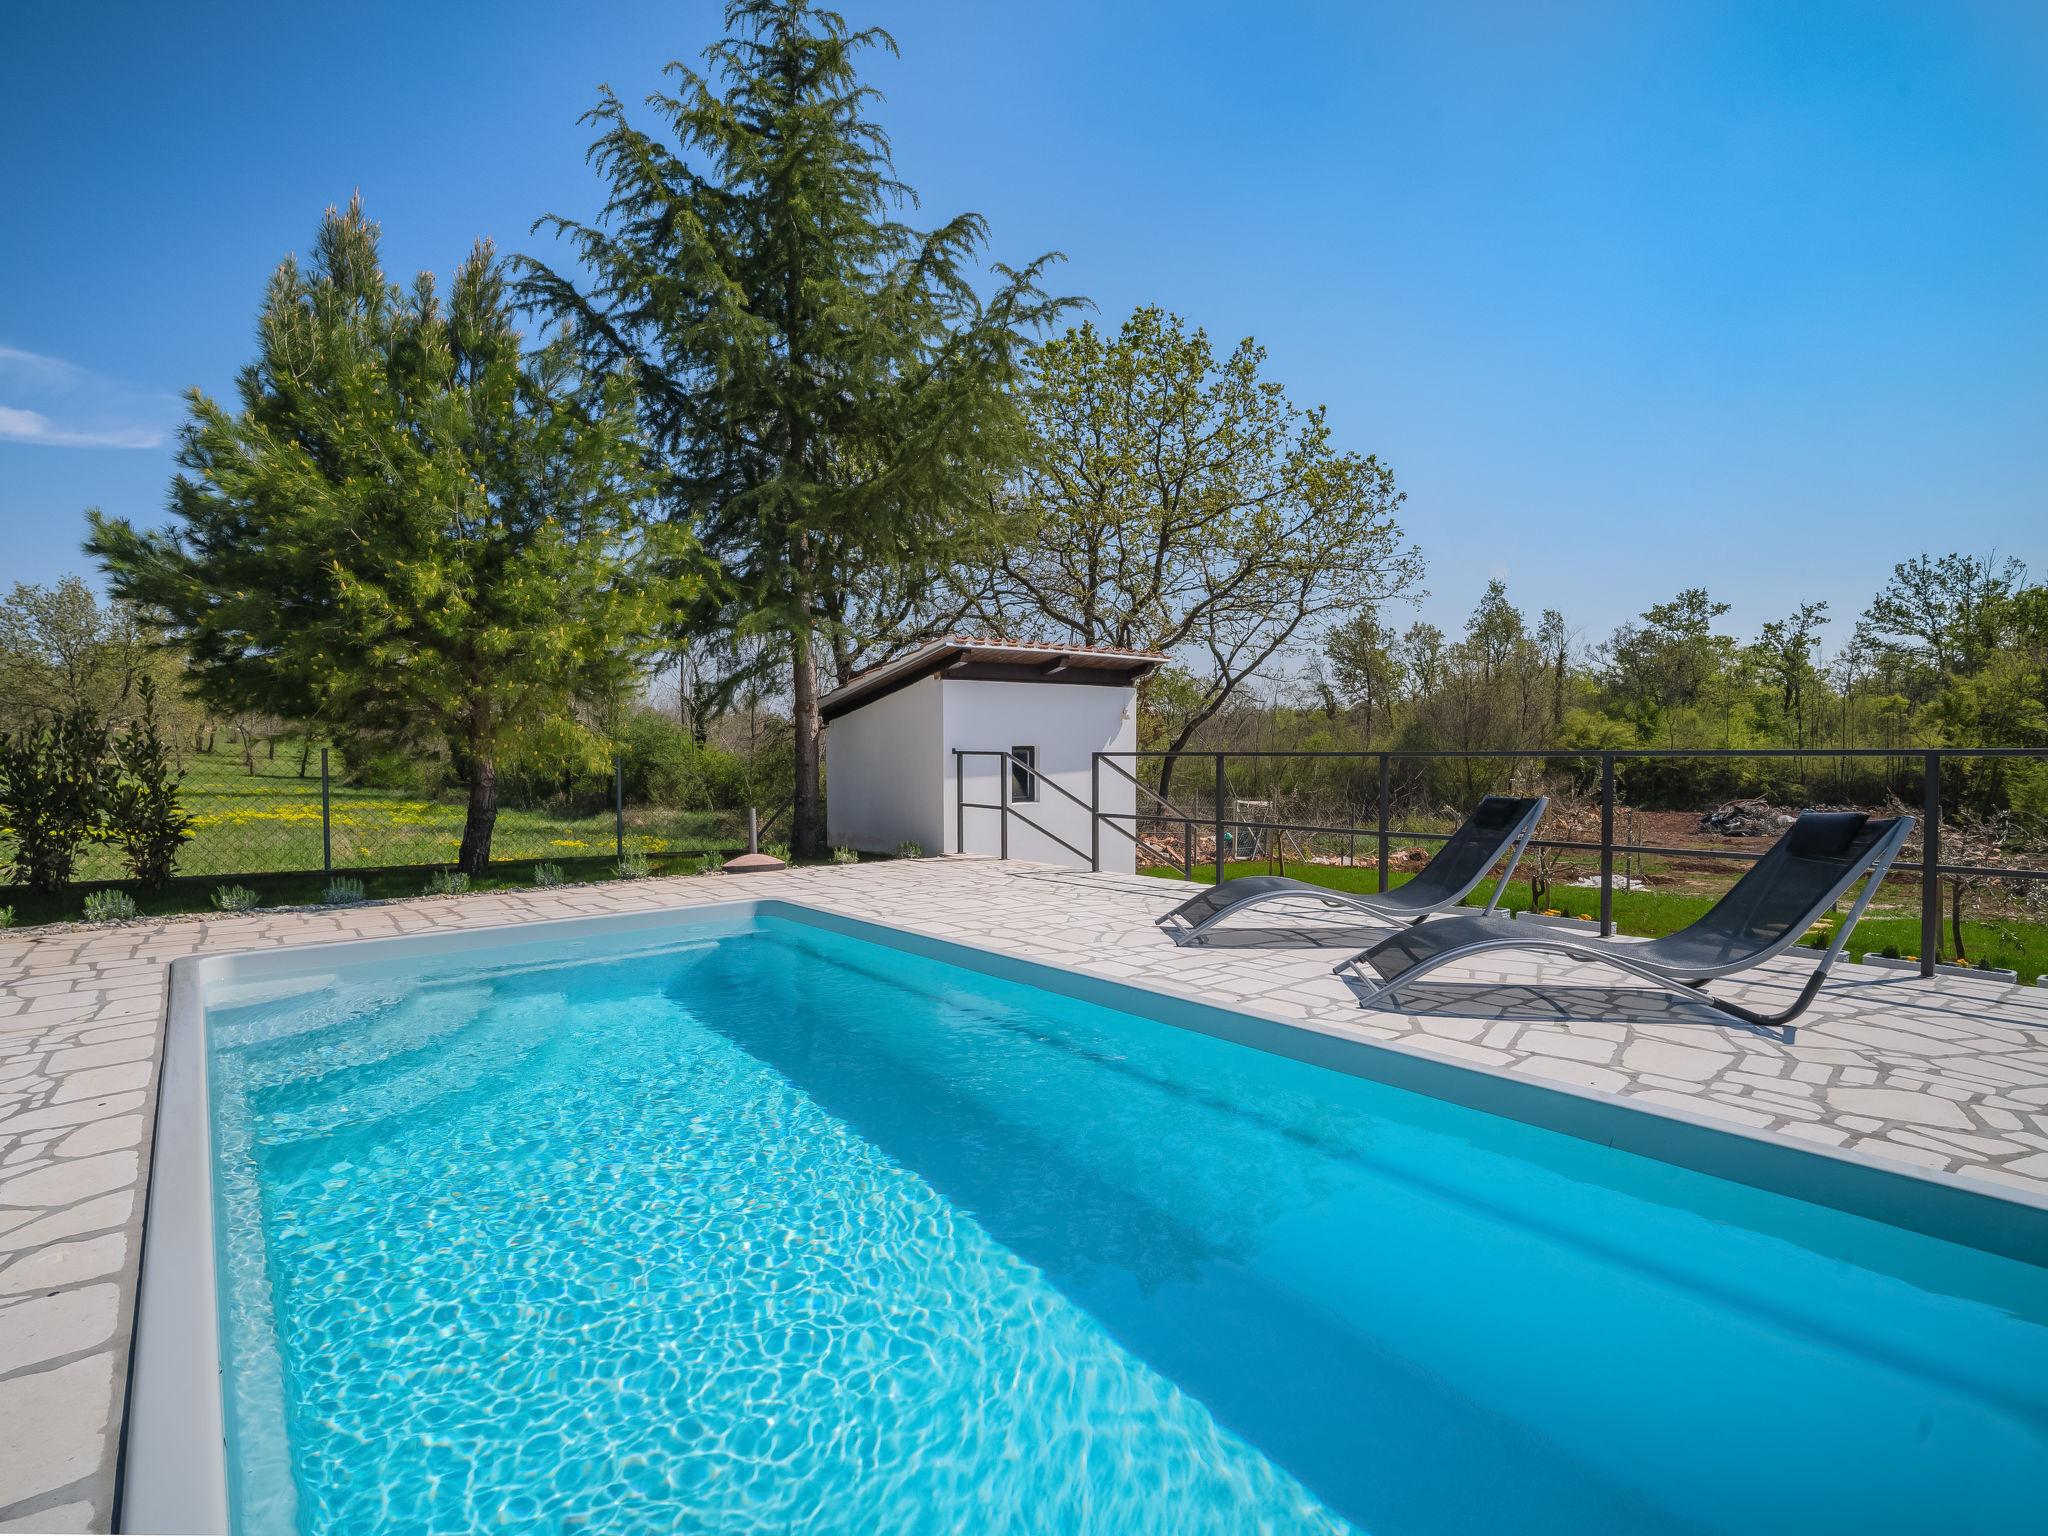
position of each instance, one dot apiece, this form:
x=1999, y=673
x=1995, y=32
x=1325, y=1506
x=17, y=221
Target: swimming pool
x=753, y=1224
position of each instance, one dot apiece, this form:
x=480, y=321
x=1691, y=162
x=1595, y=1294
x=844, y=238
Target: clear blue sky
x=1631, y=296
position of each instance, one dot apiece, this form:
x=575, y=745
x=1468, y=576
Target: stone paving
x=1949, y=1075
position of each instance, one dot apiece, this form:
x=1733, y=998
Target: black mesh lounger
x=1764, y=913
x=1501, y=826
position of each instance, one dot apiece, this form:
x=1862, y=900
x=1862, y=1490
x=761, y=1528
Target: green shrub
x=51, y=790
x=845, y=856
x=342, y=891
x=142, y=815
x=910, y=848
x=373, y=764
x=234, y=898
x=662, y=762
x=446, y=882
x=6, y=917
x=709, y=864
x=109, y=907
x=765, y=778
x=394, y=770
x=545, y=875
x=776, y=851
x=633, y=866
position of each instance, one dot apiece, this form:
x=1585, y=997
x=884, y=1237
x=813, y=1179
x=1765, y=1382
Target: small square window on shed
x=1023, y=774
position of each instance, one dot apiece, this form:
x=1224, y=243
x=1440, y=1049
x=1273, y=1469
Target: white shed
x=892, y=735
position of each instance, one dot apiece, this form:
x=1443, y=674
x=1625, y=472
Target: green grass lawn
x=262, y=830
x=269, y=823
x=1889, y=928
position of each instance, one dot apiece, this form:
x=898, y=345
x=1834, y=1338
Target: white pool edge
x=173, y=1472
x=172, y=1476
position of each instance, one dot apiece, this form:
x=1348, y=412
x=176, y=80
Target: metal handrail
x=962, y=804
x=983, y=805
x=1187, y=846
x=1143, y=789
x=1014, y=761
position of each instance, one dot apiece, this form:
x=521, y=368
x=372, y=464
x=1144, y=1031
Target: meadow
x=263, y=830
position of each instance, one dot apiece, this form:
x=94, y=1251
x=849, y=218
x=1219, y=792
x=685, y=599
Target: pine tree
x=828, y=393
x=410, y=526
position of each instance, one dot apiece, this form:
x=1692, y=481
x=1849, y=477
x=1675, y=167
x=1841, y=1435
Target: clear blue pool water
x=784, y=1231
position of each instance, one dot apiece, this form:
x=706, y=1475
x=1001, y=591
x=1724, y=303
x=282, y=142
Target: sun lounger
x=1764, y=914
x=1499, y=828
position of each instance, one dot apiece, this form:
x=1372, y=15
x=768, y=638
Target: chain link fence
x=286, y=826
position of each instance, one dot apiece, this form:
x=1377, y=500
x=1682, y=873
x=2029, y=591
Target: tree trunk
x=305, y=754
x=807, y=831
x=1955, y=917
x=475, y=858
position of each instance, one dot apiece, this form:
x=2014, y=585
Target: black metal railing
x=1381, y=832
x=1008, y=764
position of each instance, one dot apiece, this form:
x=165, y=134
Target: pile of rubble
x=1156, y=849
x=1746, y=818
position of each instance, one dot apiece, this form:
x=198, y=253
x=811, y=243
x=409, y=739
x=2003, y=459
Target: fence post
x=1003, y=800
x=1930, y=861
x=326, y=821
x=1386, y=814
x=1220, y=791
x=959, y=801
x=1606, y=844
x=1095, y=814
x=619, y=805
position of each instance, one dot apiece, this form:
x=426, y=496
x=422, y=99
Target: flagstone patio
x=1950, y=1075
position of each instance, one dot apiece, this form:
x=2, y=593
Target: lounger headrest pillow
x=1495, y=812
x=1822, y=834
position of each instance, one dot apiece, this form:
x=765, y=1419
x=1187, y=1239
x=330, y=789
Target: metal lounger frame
x=1691, y=982
x=1516, y=844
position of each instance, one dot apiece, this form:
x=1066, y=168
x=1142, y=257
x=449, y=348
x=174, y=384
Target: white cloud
x=57, y=404
x=34, y=427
